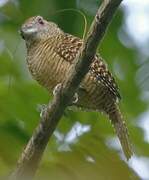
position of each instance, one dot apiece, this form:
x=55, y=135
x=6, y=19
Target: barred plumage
x=50, y=56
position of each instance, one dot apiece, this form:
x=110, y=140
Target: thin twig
x=30, y=158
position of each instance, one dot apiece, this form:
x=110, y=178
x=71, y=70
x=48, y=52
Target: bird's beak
x=27, y=31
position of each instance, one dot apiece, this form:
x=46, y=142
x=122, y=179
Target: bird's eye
x=40, y=21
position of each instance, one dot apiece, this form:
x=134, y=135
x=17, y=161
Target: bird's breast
x=47, y=67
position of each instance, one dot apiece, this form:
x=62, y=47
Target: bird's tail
x=121, y=130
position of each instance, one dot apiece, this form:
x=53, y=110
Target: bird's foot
x=42, y=108
x=57, y=89
x=75, y=99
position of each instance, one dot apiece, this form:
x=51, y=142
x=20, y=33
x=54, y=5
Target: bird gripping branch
x=50, y=57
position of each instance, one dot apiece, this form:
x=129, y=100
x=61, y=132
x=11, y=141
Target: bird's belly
x=51, y=71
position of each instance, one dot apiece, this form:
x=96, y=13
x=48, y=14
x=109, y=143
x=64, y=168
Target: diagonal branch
x=31, y=157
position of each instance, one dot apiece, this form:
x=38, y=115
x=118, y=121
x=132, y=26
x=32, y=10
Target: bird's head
x=37, y=28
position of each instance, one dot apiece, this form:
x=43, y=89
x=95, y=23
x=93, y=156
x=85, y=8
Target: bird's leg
x=42, y=108
x=71, y=106
x=57, y=89
x=75, y=99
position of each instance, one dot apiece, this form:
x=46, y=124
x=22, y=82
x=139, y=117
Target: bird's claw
x=75, y=98
x=57, y=89
x=41, y=108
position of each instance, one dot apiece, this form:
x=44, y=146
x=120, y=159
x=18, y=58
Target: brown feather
x=51, y=58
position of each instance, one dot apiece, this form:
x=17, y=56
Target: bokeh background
x=84, y=146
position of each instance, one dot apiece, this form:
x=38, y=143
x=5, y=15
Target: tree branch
x=30, y=158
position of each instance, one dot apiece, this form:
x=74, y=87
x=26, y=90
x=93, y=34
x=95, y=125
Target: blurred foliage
x=82, y=147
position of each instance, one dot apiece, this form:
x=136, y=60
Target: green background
x=84, y=145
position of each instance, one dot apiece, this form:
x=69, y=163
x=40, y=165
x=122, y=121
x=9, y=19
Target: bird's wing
x=69, y=47
x=102, y=75
x=68, y=50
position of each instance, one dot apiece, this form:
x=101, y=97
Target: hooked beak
x=27, y=31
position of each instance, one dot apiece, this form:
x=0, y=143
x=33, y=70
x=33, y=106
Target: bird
x=51, y=54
